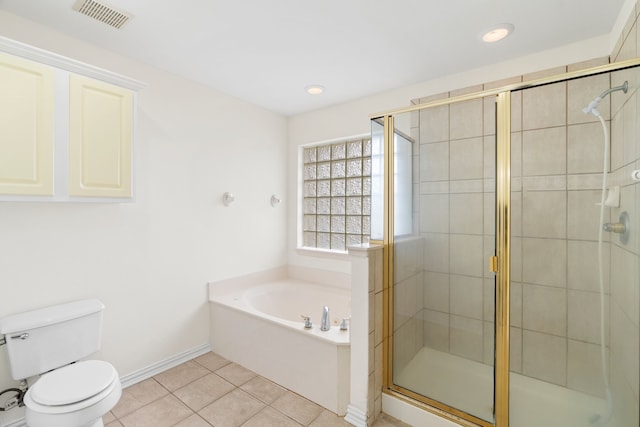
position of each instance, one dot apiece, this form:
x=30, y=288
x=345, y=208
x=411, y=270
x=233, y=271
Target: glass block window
x=337, y=195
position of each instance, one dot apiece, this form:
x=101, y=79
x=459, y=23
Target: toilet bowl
x=76, y=395
x=52, y=344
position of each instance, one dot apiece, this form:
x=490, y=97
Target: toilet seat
x=87, y=412
x=102, y=397
x=73, y=383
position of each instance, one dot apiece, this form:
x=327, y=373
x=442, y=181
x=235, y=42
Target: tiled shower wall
x=454, y=198
x=557, y=159
x=556, y=164
x=408, y=290
x=440, y=283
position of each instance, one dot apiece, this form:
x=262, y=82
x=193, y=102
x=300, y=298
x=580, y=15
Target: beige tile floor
x=212, y=391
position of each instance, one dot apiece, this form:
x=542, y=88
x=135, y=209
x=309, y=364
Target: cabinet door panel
x=100, y=139
x=26, y=127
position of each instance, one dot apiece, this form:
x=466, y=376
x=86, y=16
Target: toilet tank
x=40, y=340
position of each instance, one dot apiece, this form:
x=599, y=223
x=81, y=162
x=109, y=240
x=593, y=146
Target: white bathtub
x=260, y=326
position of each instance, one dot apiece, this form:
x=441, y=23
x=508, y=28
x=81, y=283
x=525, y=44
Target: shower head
x=624, y=87
x=592, y=107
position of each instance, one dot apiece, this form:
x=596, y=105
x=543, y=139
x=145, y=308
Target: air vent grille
x=102, y=12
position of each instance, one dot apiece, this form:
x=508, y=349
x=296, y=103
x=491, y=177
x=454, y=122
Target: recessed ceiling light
x=498, y=33
x=314, y=89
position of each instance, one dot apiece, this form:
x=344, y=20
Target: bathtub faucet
x=325, y=324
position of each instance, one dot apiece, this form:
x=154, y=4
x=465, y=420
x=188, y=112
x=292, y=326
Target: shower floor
x=468, y=385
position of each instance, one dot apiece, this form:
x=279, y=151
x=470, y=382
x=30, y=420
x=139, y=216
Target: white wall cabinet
x=26, y=127
x=66, y=128
x=100, y=138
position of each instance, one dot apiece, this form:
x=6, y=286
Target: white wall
x=149, y=261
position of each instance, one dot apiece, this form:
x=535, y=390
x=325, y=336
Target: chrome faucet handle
x=343, y=325
x=307, y=321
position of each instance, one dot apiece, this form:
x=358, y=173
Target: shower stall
x=506, y=301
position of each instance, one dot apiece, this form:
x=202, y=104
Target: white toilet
x=47, y=342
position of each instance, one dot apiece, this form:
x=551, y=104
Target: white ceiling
x=267, y=51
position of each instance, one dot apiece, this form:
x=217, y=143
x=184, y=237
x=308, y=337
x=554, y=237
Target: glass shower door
x=444, y=233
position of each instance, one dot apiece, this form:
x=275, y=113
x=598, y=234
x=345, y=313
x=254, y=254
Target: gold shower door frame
x=499, y=264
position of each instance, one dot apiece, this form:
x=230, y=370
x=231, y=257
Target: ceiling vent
x=102, y=12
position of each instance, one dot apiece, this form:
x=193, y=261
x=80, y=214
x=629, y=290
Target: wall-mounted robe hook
x=227, y=198
x=274, y=200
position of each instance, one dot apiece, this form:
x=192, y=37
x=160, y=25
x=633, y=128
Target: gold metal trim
x=503, y=252
x=570, y=75
x=434, y=407
x=387, y=295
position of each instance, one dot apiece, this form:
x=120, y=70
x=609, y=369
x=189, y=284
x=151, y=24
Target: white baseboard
x=17, y=423
x=164, y=365
x=356, y=416
x=144, y=373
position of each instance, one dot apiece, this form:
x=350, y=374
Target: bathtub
x=260, y=326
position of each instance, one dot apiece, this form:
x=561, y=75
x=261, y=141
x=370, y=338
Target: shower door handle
x=493, y=264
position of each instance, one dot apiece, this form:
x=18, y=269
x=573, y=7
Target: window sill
x=322, y=253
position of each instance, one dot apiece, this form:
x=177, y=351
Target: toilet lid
x=73, y=383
